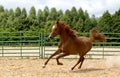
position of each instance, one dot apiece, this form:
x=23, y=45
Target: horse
x=69, y=44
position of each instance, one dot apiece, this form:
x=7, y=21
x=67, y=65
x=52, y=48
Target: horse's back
x=86, y=44
x=85, y=41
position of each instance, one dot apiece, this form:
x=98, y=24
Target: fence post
x=20, y=44
x=39, y=44
x=103, y=50
x=43, y=45
x=2, y=46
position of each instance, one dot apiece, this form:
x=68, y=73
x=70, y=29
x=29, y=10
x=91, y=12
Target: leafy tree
x=93, y=21
x=74, y=14
x=116, y=22
x=40, y=18
x=1, y=13
x=10, y=19
x=31, y=18
x=81, y=14
x=53, y=14
x=87, y=25
x=17, y=12
x=32, y=13
x=59, y=14
x=1, y=8
x=79, y=25
x=105, y=22
x=45, y=13
x=24, y=13
x=68, y=16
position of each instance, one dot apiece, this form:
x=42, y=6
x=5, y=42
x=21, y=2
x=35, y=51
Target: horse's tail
x=96, y=36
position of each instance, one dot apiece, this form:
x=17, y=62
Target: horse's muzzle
x=50, y=37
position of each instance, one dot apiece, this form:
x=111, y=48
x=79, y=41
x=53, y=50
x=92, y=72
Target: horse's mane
x=68, y=29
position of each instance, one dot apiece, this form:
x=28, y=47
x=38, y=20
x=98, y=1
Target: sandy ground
x=33, y=68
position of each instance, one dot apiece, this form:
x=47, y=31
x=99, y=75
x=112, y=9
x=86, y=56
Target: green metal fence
x=99, y=50
x=36, y=44
x=21, y=44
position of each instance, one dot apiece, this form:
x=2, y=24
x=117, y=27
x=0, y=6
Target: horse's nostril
x=51, y=37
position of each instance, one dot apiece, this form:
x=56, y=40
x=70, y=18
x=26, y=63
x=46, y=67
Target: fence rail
x=36, y=44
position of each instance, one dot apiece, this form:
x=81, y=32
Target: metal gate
x=21, y=44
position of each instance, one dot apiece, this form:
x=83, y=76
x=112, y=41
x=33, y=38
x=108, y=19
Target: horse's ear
x=57, y=22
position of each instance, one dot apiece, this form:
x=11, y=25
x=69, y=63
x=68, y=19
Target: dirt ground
x=33, y=68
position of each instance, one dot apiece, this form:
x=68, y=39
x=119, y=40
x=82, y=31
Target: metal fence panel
x=36, y=44
x=99, y=50
x=16, y=44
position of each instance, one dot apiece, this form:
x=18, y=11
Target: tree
x=93, y=21
x=116, y=22
x=87, y=25
x=59, y=14
x=68, y=16
x=79, y=25
x=17, y=12
x=32, y=13
x=105, y=23
x=86, y=15
x=10, y=19
x=40, y=18
x=45, y=13
x=1, y=8
x=24, y=13
x=81, y=14
x=1, y=13
x=32, y=19
x=87, y=22
x=74, y=14
x=52, y=15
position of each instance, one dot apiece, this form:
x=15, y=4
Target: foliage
x=42, y=20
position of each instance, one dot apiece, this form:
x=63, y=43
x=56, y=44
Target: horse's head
x=55, y=30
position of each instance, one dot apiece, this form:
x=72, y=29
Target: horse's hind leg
x=76, y=64
x=61, y=55
x=82, y=59
x=55, y=53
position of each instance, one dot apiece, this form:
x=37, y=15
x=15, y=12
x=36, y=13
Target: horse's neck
x=63, y=36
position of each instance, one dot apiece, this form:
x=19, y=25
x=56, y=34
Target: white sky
x=96, y=7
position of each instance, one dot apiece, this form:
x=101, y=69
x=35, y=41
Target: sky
x=93, y=7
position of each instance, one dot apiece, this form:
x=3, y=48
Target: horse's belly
x=78, y=46
x=71, y=50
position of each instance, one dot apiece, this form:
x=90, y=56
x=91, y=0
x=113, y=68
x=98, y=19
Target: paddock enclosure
x=22, y=55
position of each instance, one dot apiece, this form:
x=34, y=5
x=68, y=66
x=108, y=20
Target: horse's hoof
x=43, y=66
x=72, y=68
x=79, y=67
x=60, y=63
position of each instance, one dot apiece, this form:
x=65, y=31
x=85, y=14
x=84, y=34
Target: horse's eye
x=55, y=29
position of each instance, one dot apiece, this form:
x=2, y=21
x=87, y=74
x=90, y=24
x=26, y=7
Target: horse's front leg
x=61, y=55
x=55, y=53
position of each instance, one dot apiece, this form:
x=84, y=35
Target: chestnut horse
x=69, y=44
